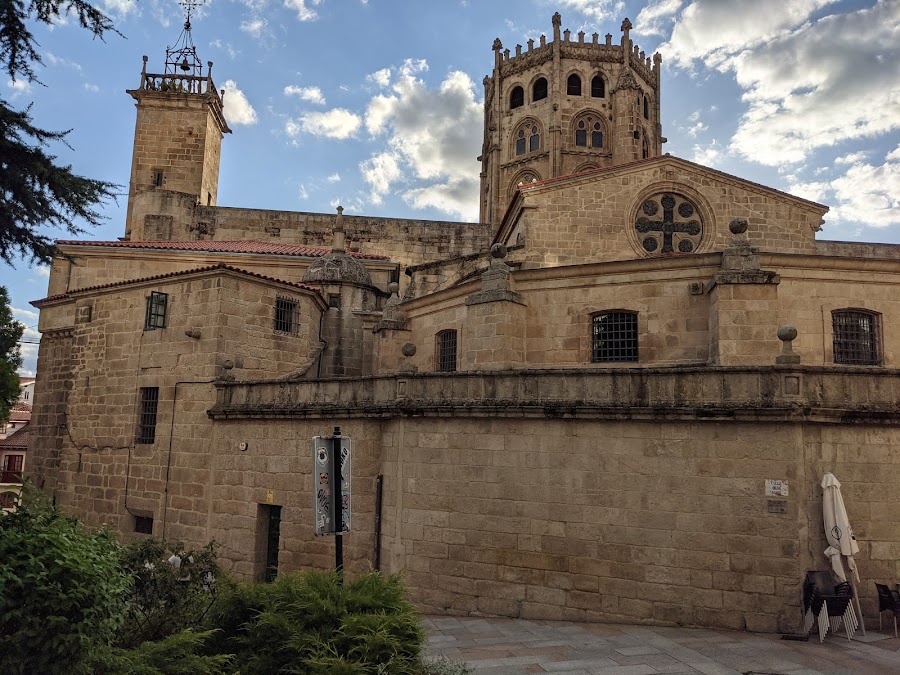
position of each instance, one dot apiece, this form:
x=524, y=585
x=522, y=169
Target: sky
x=376, y=105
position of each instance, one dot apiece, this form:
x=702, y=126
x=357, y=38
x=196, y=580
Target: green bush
x=309, y=623
x=61, y=590
x=178, y=654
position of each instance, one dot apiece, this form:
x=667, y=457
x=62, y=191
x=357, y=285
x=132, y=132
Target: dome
x=339, y=268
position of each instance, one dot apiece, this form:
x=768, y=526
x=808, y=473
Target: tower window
x=527, y=138
x=598, y=87
x=143, y=524
x=646, y=108
x=589, y=132
x=287, y=316
x=158, y=179
x=516, y=98
x=520, y=142
x=614, y=337
x=157, y=304
x=856, y=339
x=534, y=140
x=539, y=91
x=573, y=85
x=446, y=351
x=147, y=423
x=645, y=149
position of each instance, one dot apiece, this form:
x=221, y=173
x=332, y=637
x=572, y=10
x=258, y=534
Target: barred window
x=8, y=500
x=143, y=524
x=446, y=351
x=287, y=316
x=614, y=337
x=856, y=337
x=157, y=304
x=147, y=423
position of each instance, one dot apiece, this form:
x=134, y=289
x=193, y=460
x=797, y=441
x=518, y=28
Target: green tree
x=10, y=357
x=35, y=192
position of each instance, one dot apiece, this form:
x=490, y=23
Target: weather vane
x=189, y=6
x=182, y=59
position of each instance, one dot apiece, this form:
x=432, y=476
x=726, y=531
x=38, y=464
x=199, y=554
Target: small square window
x=287, y=316
x=856, y=337
x=157, y=304
x=143, y=524
x=158, y=179
x=614, y=337
x=446, y=351
x=334, y=300
x=147, y=424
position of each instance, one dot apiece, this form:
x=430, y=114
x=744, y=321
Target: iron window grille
x=147, y=423
x=157, y=305
x=614, y=337
x=855, y=334
x=287, y=316
x=9, y=500
x=446, y=352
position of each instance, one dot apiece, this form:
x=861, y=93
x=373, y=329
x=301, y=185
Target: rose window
x=668, y=223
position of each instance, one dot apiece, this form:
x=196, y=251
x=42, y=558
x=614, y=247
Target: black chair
x=888, y=601
x=828, y=603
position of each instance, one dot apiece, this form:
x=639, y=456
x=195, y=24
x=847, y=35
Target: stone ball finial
x=498, y=251
x=626, y=25
x=393, y=288
x=787, y=333
x=738, y=226
x=408, y=349
x=497, y=45
x=340, y=210
x=145, y=58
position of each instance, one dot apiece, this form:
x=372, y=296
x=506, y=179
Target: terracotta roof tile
x=170, y=275
x=17, y=439
x=260, y=247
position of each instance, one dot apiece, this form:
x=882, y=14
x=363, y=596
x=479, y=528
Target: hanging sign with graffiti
x=323, y=499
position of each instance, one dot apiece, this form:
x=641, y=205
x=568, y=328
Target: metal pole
x=337, y=494
x=379, y=496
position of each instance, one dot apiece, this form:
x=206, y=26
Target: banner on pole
x=323, y=499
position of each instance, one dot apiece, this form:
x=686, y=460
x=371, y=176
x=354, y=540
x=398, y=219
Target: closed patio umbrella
x=841, y=542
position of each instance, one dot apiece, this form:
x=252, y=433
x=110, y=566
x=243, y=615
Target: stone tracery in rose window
x=668, y=223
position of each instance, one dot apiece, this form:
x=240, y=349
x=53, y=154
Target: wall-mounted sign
x=323, y=500
x=270, y=496
x=776, y=488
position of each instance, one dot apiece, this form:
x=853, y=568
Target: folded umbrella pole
x=841, y=542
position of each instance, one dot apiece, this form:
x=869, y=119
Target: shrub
x=309, y=623
x=61, y=590
x=177, y=654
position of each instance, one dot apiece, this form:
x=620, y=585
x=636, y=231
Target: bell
x=184, y=65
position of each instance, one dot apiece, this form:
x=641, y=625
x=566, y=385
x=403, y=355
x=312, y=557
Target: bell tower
x=566, y=106
x=177, y=140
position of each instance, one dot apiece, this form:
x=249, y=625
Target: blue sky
x=376, y=104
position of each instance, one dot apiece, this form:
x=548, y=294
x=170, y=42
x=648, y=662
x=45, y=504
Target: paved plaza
x=512, y=646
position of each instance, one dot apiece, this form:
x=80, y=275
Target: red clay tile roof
x=25, y=380
x=17, y=439
x=261, y=247
x=170, y=275
x=20, y=412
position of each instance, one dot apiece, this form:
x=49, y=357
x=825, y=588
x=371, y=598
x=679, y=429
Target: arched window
x=589, y=132
x=856, y=336
x=646, y=108
x=446, y=351
x=645, y=149
x=539, y=91
x=614, y=337
x=598, y=87
x=516, y=98
x=573, y=85
x=524, y=178
x=528, y=138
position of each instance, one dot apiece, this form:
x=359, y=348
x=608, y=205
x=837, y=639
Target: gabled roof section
x=172, y=275
x=17, y=439
x=20, y=412
x=659, y=159
x=257, y=247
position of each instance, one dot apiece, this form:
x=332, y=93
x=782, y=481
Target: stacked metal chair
x=828, y=604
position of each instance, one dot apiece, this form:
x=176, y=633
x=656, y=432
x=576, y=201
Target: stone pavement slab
x=512, y=646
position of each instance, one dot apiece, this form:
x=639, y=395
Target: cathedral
x=612, y=399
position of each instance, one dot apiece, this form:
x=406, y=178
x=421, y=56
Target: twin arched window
x=528, y=138
x=589, y=131
x=540, y=90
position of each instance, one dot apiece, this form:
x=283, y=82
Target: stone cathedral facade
x=612, y=399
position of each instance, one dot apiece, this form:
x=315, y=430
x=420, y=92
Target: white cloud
x=707, y=155
x=864, y=194
x=26, y=316
x=226, y=47
x=595, y=9
x=380, y=171
x=894, y=154
x=237, y=108
x=92, y=88
x=337, y=123
x=311, y=94
x=55, y=60
x=302, y=192
x=255, y=27
x=120, y=7
x=334, y=178
x=808, y=84
x=432, y=137
x=41, y=270
x=651, y=18
x=852, y=158
x=380, y=77
x=304, y=8
x=19, y=87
